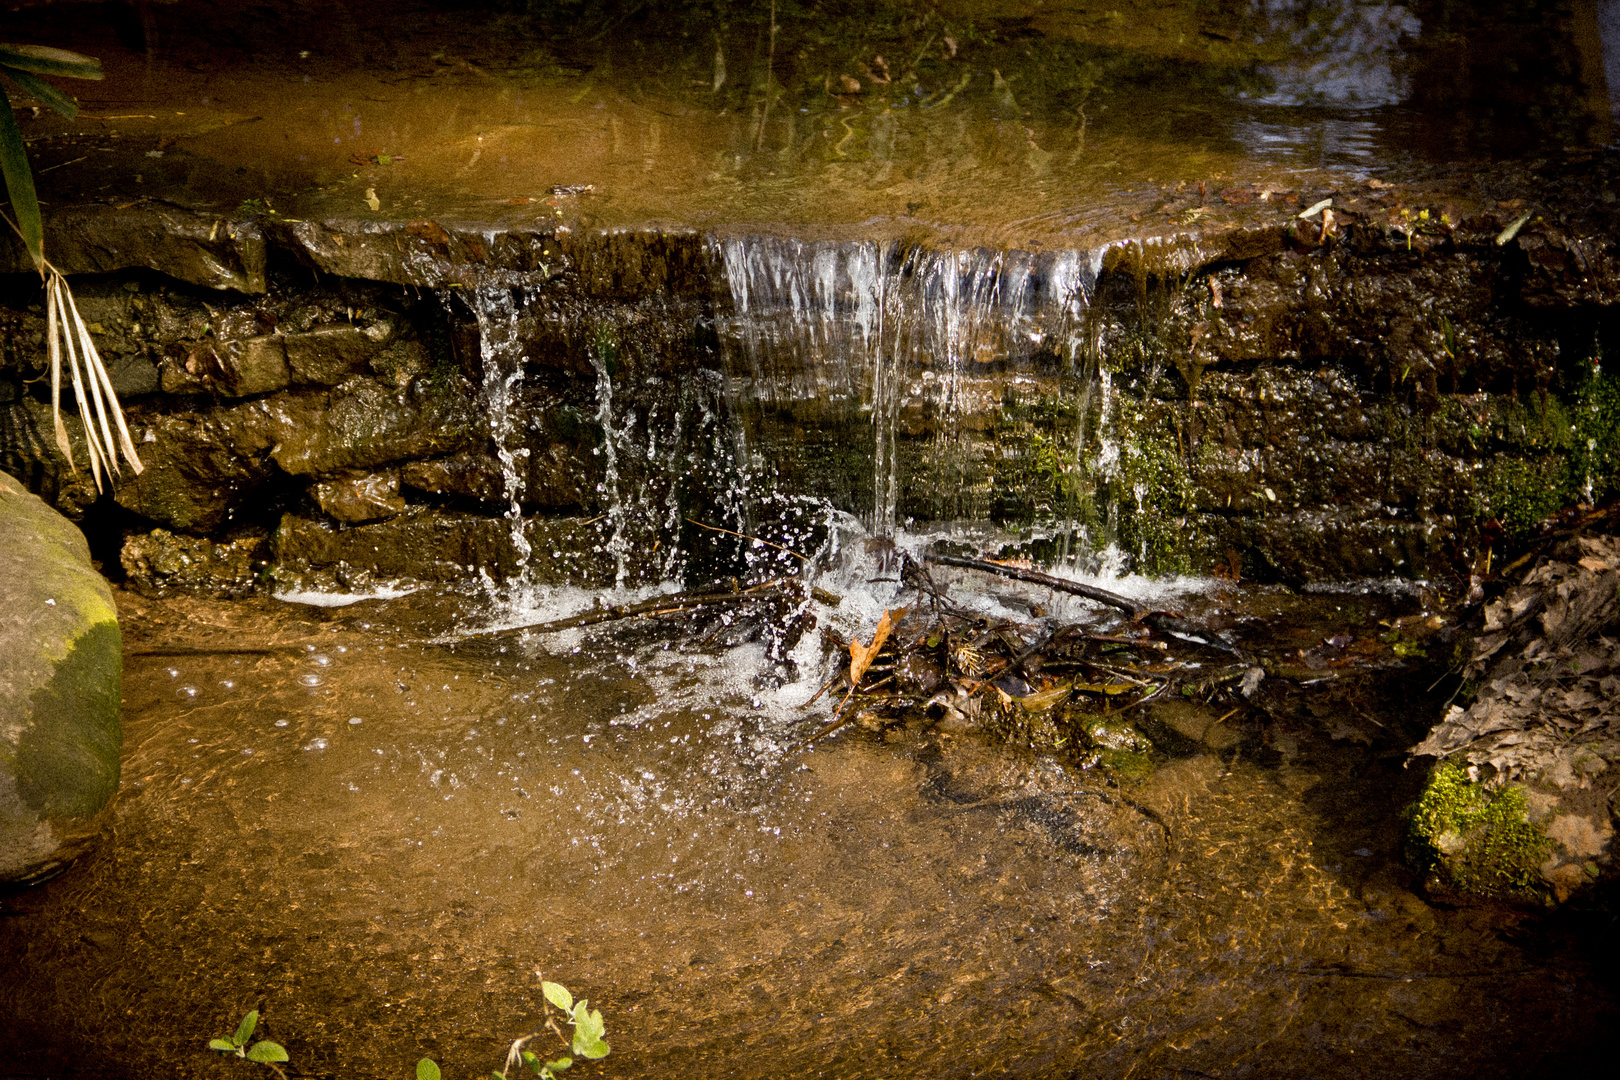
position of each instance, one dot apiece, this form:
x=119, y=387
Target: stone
x=434, y=545
x=363, y=424
x=327, y=355
x=467, y=475
x=60, y=668
x=201, y=468
x=160, y=560
x=360, y=498
x=95, y=238
x=244, y=367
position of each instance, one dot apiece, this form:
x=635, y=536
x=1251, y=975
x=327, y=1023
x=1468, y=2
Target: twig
x=745, y=536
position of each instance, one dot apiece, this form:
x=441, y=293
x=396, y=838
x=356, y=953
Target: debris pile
x=1543, y=675
x=1067, y=688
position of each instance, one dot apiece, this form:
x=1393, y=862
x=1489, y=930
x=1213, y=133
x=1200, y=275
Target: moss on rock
x=1476, y=839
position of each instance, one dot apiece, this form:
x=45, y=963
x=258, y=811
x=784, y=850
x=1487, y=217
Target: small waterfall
x=918, y=347
x=500, y=348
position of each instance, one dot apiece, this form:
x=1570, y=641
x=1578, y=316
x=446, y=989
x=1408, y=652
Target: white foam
x=316, y=598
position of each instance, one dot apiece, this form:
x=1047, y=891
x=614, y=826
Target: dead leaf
x=861, y=656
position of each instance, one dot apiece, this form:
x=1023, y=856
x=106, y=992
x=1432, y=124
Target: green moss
x=68, y=754
x=1559, y=452
x=1476, y=839
x=1153, y=490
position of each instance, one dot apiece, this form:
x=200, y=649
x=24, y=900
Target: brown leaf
x=860, y=656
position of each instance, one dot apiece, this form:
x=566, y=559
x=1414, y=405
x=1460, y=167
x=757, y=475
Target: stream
x=382, y=831
x=721, y=294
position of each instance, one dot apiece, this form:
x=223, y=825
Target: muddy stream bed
x=382, y=833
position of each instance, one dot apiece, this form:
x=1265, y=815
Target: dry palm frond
x=66, y=333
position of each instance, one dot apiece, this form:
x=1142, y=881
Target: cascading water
x=918, y=347
x=501, y=351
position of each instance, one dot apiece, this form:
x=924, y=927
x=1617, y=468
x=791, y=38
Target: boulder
x=60, y=669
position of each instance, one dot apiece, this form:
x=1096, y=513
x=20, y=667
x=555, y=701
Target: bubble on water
x=315, y=744
x=247, y=752
x=174, y=673
x=355, y=720
x=188, y=691
x=311, y=679
x=282, y=722
x=229, y=684
x=321, y=658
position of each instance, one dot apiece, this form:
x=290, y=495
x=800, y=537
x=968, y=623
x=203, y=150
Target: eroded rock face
x=60, y=662
x=1296, y=399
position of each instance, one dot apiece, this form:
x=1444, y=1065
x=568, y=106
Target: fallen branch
x=670, y=604
x=1035, y=577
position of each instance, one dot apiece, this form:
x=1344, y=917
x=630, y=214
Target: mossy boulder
x=60, y=669
x=1474, y=839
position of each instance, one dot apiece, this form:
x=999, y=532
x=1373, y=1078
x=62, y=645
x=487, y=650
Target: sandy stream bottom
x=383, y=844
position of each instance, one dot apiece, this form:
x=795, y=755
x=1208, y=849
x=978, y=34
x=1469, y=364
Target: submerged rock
x=60, y=666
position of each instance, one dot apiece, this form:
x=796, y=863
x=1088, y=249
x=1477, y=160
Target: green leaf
x=222, y=1044
x=530, y=1057
x=427, y=1070
x=20, y=184
x=44, y=91
x=597, y=1049
x=43, y=60
x=587, y=1024
x=245, y=1028
x=264, y=1051
x=497, y=1076
x=562, y=1064
x=558, y=995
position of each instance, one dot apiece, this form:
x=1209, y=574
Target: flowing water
x=381, y=824
x=382, y=832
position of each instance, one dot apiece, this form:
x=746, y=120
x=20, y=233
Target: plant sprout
x=264, y=1051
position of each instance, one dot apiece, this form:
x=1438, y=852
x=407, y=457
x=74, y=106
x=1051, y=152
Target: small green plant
x=264, y=1051
x=584, y=1041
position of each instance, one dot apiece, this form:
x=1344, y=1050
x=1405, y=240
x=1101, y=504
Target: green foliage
x=1476, y=839
x=265, y=1052
x=22, y=64
x=427, y=1069
x=584, y=1041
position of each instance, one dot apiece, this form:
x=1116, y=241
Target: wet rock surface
x=60, y=660
x=1324, y=399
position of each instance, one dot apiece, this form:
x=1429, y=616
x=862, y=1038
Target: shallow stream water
x=382, y=832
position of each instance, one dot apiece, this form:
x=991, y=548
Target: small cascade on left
x=496, y=308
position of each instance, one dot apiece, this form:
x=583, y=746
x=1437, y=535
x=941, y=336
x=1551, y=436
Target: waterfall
x=913, y=345
x=501, y=352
